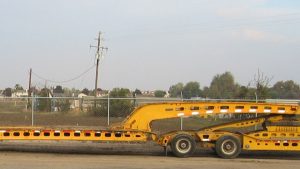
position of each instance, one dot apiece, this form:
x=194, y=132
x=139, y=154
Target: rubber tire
x=189, y=141
x=236, y=143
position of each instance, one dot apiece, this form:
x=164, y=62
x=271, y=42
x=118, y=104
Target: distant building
x=148, y=93
x=20, y=93
x=102, y=93
x=167, y=95
x=81, y=95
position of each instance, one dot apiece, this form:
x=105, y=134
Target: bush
x=117, y=107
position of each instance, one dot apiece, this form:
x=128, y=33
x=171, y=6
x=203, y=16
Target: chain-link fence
x=69, y=111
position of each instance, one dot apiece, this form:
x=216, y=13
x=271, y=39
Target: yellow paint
x=144, y=115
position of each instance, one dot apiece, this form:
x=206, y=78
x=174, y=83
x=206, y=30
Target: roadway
x=54, y=155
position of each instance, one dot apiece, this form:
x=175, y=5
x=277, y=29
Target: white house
x=20, y=93
x=81, y=95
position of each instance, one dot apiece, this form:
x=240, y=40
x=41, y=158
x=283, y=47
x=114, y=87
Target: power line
x=64, y=81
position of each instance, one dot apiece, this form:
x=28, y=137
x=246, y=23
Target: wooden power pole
x=99, y=54
x=29, y=86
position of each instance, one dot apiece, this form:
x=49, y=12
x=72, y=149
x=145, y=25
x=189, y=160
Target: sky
x=152, y=44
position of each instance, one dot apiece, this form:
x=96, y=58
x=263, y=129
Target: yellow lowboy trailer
x=280, y=128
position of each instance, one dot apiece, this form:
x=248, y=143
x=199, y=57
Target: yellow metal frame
x=274, y=138
x=142, y=117
x=76, y=135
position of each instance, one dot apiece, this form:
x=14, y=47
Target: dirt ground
x=88, y=155
x=54, y=119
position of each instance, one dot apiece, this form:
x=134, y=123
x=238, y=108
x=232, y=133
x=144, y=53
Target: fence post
x=108, y=104
x=32, y=110
x=181, y=123
x=256, y=101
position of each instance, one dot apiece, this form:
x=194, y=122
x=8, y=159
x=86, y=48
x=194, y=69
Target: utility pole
x=29, y=86
x=29, y=89
x=99, y=53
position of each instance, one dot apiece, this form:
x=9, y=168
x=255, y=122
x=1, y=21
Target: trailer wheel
x=183, y=145
x=228, y=147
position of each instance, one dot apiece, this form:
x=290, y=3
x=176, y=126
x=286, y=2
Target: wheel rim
x=183, y=145
x=229, y=147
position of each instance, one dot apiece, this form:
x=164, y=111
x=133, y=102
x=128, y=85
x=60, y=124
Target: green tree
x=58, y=89
x=65, y=105
x=285, y=90
x=205, y=92
x=159, y=93
x=223, y=86
x=175, y=90
x=261, y=83
x=137, y=92
x=71, y=92
x=120, y=106
x=7, y=92
x=120, y=93
x=191, y=89
x=85, y=91
x=18, y=87
x=242, y=92
x=44, y=103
